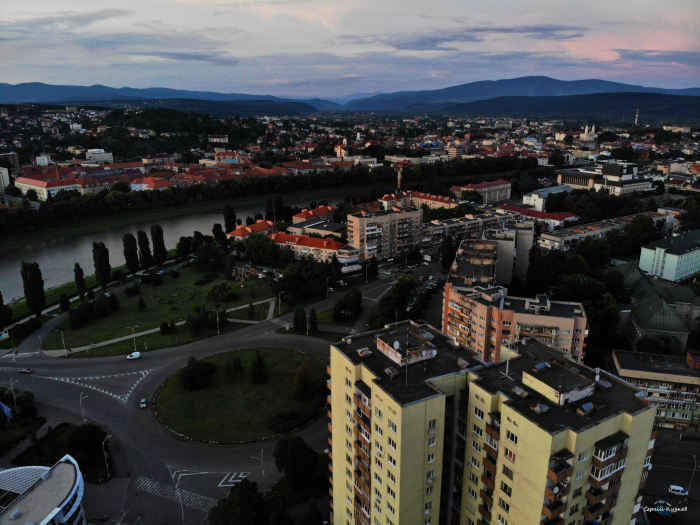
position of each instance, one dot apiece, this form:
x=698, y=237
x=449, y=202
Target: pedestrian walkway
x=170, y=492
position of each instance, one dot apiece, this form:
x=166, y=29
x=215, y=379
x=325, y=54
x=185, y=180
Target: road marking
x=354, y=331
x=657, y=465
x=21, y=355
x=232, y=478
x=277, y=320
x=169, y=492
x=82, y=381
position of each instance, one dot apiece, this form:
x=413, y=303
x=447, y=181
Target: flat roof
x=656, y=364
x=517, y=304
x=43, y=497
x=614, y=397
x=317, y=224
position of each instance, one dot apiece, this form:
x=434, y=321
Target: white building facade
x=672, y=259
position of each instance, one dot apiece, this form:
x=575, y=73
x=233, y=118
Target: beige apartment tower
x=424, y=433
x=385, y=234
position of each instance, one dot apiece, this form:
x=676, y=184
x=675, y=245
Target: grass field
x=171, y=301
x=333, y=337
x=231, y=412
x=260, y=312
x=326, y=317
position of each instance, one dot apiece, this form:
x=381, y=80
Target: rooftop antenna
x=507, y=375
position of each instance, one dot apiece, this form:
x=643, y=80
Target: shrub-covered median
x=242, y=396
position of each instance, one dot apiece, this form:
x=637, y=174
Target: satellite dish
x=397, y=345
x=426, y=511
x=424, y=353
x=597, y=378
x=639, y=499
x=555, y=490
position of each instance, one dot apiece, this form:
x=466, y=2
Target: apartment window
x=348, y=459
x=473, y=478
x=431, y=441
x=573, y=510
x=478, y=431
x=503, y=504
x=430, y=474
x=471, y=508
x=507, y=472
x=392, y=426
x=428, y=521
x=377, y=478
x=348, y=499
x=476, y=463
x=511, y=437
x=566, y=332
x=392, y=443
x=476, y=446
x=348, y=429
x=506, y=323
x=391, y=477
x=392, y=461
x=348, y=445
x=378, y=413
x=580, y=474
x=470, y=521
x=432, y=423
x=494, y=320
x=348, y=414
x=348, y=472
x=377, y=494
x=431, y=458
x=583, y=456
x=388, y=521
x=391, y=493
x=349, y=513
x=479, y=413
x=378, y=430
x=377, y=508
x=509, y=454
x=378, y=463
x=348, y=399
x=506, y=489
x=577, y=330
x=429, y=490
x=472, y=492
x=379, y=447
x=577, y=493
x=492, y=442
x=502, y=520
x=348, y=383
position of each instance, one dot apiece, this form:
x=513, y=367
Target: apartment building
x=482, y=319
x=385, y=233
x=99, y=156
x=513, y=243
x=474, y=264
x=567, y=239
x=491, y=191
x=318, y=227
x=538, y=198
x=424, y=433
x=672, y=383
x=302, y=245
x=417, y=199
x=672, y=259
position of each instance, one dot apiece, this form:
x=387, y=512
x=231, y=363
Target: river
x=58, y=257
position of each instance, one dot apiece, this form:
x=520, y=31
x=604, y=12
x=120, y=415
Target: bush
x=288, y=421
x=90, y=293
x=157, y=280
x=24, y=329
x=112, y=302
x=64, y=303
x=146, y=278
x=164, y=328
x=197, y=374
x=174, y=273
x=221, y=293
x=132, y=291
x=117, y=275
x=206, y=279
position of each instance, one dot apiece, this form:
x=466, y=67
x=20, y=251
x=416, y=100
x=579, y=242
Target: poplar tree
x=33, y=287
x=103, y=270
x=160, y=253
x=229, y=218
x=79, y=281
x=145, y=256
x=131, y=253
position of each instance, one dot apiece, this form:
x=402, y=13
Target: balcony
x=553, y=510
x=487, y=497
x=607, y=520
x=330, y=441
x=592, y=512
x=328, y=383
x=561, y=490
x=328, y=369
x=597, y=483
x=595, y=496
x=485, y=513
x=597, y=462
x=494, y=432
x=490, y=450
x=488, y=482
x=490, y=466
x=330, y=427
x=560, y=472
x=328, y=400
x=330, y=467
x=556, y=521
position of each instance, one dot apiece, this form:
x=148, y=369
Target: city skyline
x=333, y=49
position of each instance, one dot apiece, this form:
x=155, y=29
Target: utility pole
x=105, y=454
x=82, y=413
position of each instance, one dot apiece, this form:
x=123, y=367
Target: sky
x=329, y=48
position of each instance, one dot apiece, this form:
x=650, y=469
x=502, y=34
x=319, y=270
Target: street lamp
x=327, y=279
x=691, y=477
x=13, y=391
x=82, y=413
x=62, y=339
x=218, y=332
x=133, y=334
x=262, y=465
x=105, y=454
x=279, y=303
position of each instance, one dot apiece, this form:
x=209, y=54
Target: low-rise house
x=302, y=245
x=261, y=226
x=151, y=183
x=491, y=191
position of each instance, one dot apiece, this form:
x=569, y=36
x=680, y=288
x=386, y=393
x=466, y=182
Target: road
x=169, y=479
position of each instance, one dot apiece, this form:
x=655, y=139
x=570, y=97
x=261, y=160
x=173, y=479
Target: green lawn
x=231, y=412
x=15, y=431
x=157, y=340
x=261, y=311
x=327, y=318
x=333, y=337
x=170, y=301
x=94, y=472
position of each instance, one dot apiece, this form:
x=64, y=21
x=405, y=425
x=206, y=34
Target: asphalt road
x=168, y=479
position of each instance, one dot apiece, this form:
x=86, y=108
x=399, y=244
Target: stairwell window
x=511, y=437
x=479, y=413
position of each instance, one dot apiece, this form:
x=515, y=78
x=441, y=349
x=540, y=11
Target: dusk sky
x=331, y=48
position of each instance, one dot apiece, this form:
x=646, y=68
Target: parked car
x=134, y=355
x=143, y=403
x=25, y=370
x=677, y=490
x=424, y=263
x=331, y=289
x=346, y=313
x=432, y=278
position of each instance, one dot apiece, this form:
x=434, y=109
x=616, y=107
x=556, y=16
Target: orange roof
x=316, y=212
x=329, y=243
x=259, y=227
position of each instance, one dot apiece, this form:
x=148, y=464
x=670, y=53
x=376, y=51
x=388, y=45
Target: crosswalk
x=169, y=492
x=10, y=356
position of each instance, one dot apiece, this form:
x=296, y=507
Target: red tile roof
x=480, y=185
x=304, y=240
x=261, y=226
x=560, y=216
x=316, y=212
x=417, y=195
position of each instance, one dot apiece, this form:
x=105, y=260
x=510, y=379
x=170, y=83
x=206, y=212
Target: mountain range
x=501, y=93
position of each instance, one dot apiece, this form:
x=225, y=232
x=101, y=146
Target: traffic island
x=231, y=399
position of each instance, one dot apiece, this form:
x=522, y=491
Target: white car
x=143, y=403
x=134, y=355
x=431, y=278
x=677, y=490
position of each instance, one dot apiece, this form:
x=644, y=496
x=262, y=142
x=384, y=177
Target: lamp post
x=13, y=391
x=104, y=453
x=133, y=334
x=218, y=331
x=262, y=465
x=82, y=413
x=327, y=293
x=62, y=339
x=279, y=303
x=695, y=465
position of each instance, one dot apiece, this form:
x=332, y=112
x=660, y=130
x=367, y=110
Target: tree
x=131, y=254
x=183, y=247
x=258, y=373
x=279, y=209
x=312, y=321
x=249, y=220
x=282, y=517
x=575, y=264
x=229, y=218
x=556, y=158
x=472, y=196
x=5, y=313
x=219, y=235
x=595, y=252
x=312, y=516
x=615, y=282
x=580, y=288
x=141, y=304
x=145, y=257
x=103, y=270
x=238, y=366
x=197, y=240
x=64, y=303
x=295, y=459
x=270, y=210
x=85, y=444
x=33, y=283
x=302, y=382
x=197, y=374
x=32, y=195
x=160, y=253
x=299, y=324
x=244, y=505
x=657, y=344
x=373, y=268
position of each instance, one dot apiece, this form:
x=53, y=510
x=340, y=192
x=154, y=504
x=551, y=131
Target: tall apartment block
x=513, y=242
x=423, y=433
x=483, y=318
x=386, y=233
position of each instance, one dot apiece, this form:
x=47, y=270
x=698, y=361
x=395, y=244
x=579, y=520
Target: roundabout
x=234, y=409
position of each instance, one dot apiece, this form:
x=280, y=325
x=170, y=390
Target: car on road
x=676, y=490
x=424, y=263
x=388, y=272
x=162, y=272
x=432, y=278
x=134, y=355
x=25, y=370
x=331, y=290
x=390, y=260
x=143, y=403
